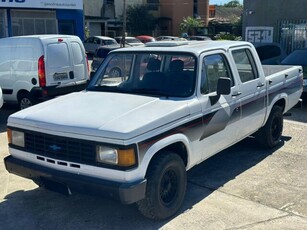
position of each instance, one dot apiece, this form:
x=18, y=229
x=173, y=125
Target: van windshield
x=154, y=74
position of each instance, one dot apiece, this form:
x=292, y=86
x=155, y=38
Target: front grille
x=62, y=148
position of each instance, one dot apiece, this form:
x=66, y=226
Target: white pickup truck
x=133, y=136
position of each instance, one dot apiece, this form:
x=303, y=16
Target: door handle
x=260, y=84
x=71, y=75
x=235, y=94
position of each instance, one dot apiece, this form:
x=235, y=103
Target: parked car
x=130, y=41
x=100, y=54
x=170, y=38
x=270, y=53
x=93, y=43
x=145, y=38
x=38, y=67
x=298, y=57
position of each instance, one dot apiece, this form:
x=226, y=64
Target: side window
x=245, y=64
x=213, y=67
x=77, y=53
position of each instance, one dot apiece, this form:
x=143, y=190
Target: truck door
x=220, y=118
x=252, y=91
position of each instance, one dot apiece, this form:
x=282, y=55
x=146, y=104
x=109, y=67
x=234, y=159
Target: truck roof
x=195, y=47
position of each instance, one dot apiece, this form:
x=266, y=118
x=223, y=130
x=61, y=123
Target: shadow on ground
x=42, y=209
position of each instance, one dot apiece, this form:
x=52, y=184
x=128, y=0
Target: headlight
x=115, y=156
x=16, y=137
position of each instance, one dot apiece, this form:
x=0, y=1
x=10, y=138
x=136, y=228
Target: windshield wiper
x=107, y=88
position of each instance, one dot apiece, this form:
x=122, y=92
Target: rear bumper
x=60, y=181
x=44, y=93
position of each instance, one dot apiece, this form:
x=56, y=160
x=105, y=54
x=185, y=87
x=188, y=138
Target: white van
x=38, y=67
x=1, y=98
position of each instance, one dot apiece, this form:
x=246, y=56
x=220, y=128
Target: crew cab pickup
x=134, y=136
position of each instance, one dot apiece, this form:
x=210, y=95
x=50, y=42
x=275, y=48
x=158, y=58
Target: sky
x=221, y=2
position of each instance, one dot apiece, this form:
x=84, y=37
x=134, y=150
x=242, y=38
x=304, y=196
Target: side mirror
x=223, y=88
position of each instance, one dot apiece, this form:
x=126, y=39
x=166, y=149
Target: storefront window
x=3, y=24
x=27, y=22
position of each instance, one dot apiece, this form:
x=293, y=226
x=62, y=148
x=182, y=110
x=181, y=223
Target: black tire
x=25, y=101
x=269, y=135
x=115, y=72
x=166, y=186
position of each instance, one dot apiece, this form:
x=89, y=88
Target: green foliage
x=139, y=20
x=227, y=36
x=86, y=32
x=233, y=3
x=190, y=25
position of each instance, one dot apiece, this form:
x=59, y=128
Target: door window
x=213, y=67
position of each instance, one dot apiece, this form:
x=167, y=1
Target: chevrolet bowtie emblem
x=55, y=147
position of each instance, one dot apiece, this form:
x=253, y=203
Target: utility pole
x=123, y=41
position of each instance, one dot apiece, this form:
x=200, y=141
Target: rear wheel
x=25, y=101
x=269, y=135
x=166, y=186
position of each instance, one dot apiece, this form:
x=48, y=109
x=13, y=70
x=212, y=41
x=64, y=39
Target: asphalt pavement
x=243, y=187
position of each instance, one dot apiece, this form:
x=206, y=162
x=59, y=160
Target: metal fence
x=292, y=34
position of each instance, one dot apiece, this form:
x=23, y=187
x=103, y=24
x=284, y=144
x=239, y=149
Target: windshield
x=154, y=74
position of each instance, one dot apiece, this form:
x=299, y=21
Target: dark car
x=198, y=38
x=100, y=54
x=298, y=57
x=270, y=53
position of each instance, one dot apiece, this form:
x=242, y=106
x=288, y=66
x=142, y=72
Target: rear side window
x=77, y=53
x=245, y=65
x=57, y=55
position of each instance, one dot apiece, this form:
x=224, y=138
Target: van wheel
x=115, y=72
x=25, y=101
x=166, y=186
x=269, y=135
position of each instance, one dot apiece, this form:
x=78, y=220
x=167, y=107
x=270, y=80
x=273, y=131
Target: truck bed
x=273, y=69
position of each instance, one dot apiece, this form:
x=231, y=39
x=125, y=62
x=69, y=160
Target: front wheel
x=269, y=135
x=115, y=72
x=166, y=186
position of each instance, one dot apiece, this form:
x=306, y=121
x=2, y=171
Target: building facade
x=170, y=14
x=281, y=21
x=26, y=17
x=105, y=17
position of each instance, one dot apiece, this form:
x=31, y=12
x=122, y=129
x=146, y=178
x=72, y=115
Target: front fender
x=161, y=144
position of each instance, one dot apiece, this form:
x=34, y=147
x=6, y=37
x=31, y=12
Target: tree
x=190, y=25
x=139, y=20
x=233, y=3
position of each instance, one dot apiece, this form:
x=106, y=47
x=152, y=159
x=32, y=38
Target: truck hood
x=101, y=114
